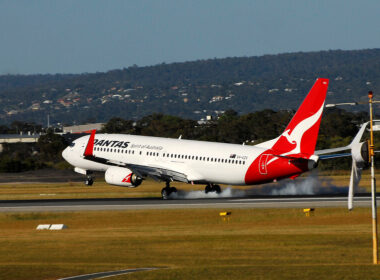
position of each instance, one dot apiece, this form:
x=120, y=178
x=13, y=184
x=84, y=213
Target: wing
x=327, y=153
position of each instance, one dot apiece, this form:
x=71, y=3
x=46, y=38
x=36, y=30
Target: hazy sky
x=88, y=36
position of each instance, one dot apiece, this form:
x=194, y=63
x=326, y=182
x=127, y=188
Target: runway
x=156, y=203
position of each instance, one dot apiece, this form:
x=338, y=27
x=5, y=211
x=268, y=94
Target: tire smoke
x=310, y=185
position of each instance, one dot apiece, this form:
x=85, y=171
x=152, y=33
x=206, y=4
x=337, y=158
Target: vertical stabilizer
x=300, y=136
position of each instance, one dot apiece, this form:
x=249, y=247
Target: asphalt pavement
x=157, y=203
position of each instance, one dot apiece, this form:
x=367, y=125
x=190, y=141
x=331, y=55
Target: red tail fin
x=300, y=136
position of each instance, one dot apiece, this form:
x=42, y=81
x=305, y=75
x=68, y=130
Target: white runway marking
x=106, y=274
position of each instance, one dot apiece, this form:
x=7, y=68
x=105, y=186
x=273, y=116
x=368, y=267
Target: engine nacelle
x=123, y=177
x=313, y=162
x=360, y=152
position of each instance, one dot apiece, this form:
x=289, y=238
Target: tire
x=165, y=193
x=208, y=189
x=217, y=189
x=173, y=190
x=89, y=182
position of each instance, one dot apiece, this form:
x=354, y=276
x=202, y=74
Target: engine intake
x=123, y=177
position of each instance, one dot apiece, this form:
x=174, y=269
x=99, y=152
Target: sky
x=77, y=36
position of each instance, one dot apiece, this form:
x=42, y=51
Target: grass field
x=191, y=244
x=186, y=244
x=148, y=188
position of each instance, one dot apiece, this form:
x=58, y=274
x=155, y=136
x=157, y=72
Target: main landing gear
x=89, y=180
x=167, y=191
x=212, y=188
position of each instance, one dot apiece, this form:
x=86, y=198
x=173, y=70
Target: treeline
x=189, y=89
x=338, y=127
x=19, y=157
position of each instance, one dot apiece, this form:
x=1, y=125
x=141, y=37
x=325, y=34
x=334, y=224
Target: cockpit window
x=72, y=144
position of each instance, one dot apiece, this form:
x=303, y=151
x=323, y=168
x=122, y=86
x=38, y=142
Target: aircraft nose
x=64, y=153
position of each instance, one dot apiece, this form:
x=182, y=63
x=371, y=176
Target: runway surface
x=156, y=203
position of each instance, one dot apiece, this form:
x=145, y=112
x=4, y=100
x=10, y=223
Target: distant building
x=82, y=128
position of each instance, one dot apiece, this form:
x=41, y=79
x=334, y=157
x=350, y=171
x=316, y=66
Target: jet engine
x=313, y=162
x=123, y=177
x=360, y=152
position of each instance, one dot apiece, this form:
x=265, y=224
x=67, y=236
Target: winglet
x=359, y=135
x=90, y=145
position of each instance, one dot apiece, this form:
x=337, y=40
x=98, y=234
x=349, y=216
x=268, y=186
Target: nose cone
x=65, y=154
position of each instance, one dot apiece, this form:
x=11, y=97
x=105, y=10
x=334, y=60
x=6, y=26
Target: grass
x=191, y=244
x=149, y=188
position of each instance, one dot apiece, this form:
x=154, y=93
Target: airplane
x=129, y=159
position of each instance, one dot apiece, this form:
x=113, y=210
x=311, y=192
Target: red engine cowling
x=123, y=177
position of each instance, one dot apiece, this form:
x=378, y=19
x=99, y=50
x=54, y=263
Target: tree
x=51, y=146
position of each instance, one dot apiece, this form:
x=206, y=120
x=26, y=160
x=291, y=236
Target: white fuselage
x=199, y=160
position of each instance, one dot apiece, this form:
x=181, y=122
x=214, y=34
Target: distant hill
x=190, y=89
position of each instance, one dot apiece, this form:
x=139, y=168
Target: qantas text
x=111, y=143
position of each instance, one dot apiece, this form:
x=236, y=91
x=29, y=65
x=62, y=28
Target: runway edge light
x=223, y=214
x=308, y=211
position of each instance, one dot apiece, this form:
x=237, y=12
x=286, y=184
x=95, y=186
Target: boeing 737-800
x=128, y=159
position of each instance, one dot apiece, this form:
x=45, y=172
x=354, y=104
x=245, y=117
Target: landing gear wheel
x=216, y=188
x=167, y=191
x=89, y=181
x=213, y=188
x=208, y=189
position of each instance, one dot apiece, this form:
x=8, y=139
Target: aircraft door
x=263, y=164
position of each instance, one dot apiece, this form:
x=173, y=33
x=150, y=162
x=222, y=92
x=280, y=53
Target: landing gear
x=89, y=180
x=167, y=191
x=213, y=188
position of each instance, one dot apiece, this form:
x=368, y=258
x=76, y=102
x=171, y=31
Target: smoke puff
x=311, y=185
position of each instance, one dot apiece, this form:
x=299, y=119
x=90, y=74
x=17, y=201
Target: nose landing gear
x=89, y=180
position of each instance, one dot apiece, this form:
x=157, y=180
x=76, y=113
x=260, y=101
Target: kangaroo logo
x=127, y=179
x=295, y=137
